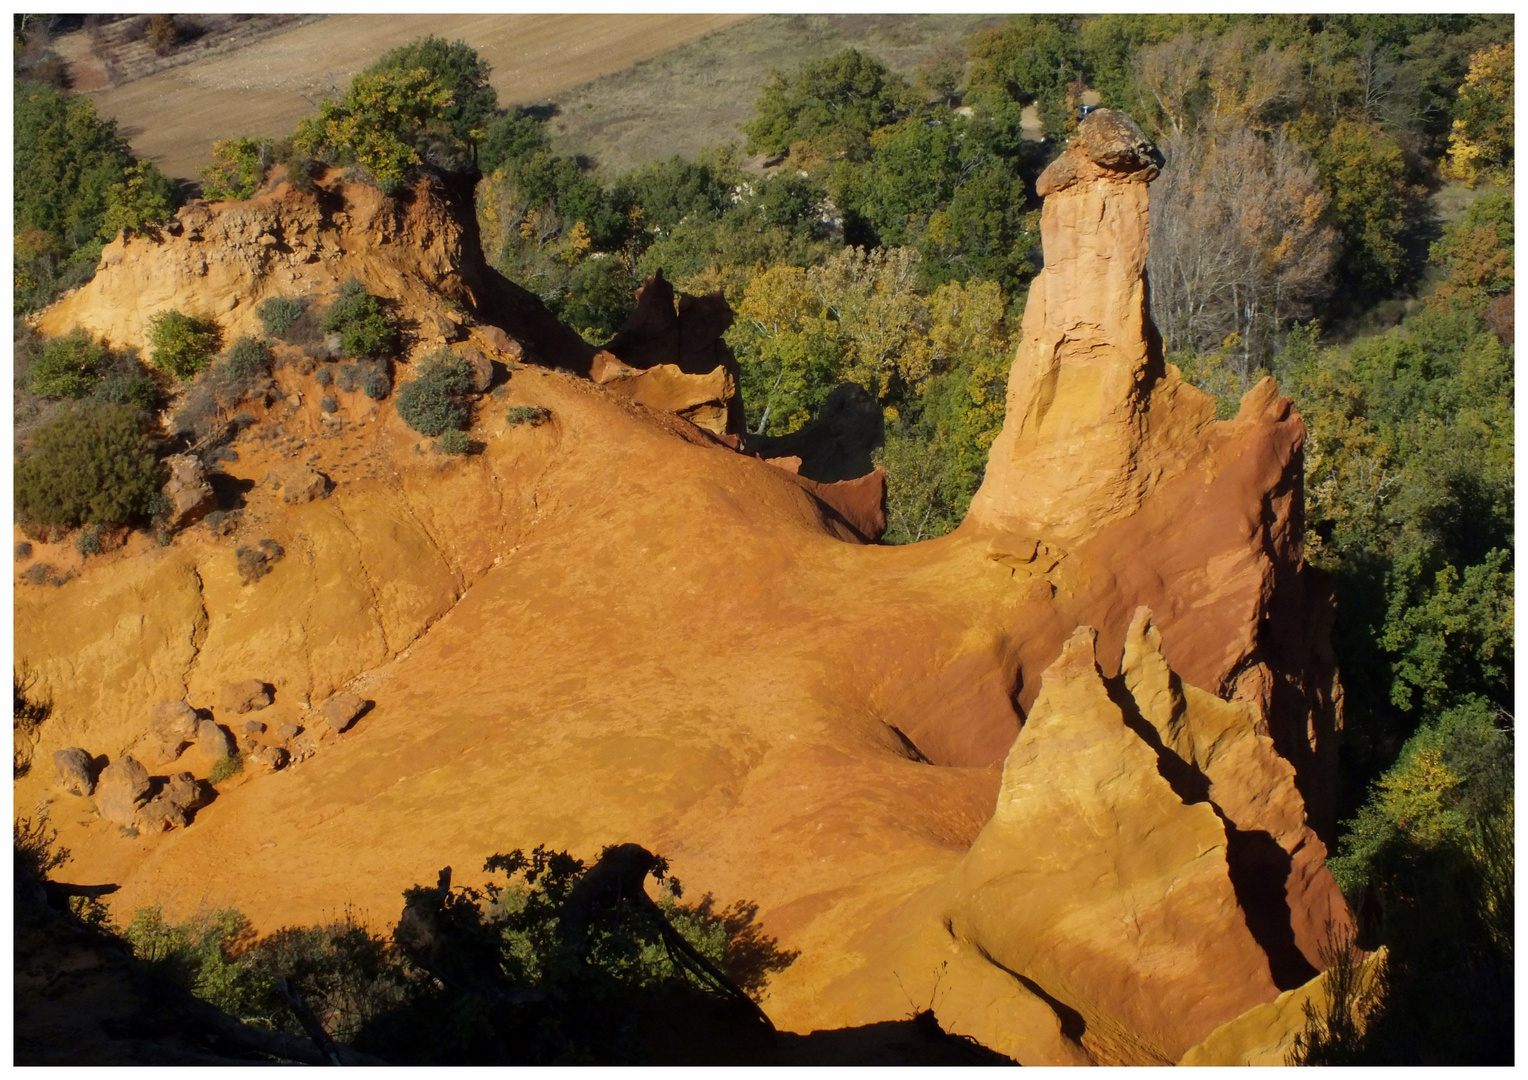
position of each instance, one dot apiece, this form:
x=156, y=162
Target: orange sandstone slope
x=1049, y=773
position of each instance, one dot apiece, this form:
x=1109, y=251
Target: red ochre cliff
x=1061, y=773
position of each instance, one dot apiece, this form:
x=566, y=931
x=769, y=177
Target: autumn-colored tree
x=1475, y=252
x=789, y=350
x=1481, y=143
x=377, y=124
x=1239, y=244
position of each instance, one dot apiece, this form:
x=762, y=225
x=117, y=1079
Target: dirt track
x=173, y=116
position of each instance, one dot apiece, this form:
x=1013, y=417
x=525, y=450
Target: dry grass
x=696, y=95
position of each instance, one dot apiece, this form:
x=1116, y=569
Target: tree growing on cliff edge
x=378, y=124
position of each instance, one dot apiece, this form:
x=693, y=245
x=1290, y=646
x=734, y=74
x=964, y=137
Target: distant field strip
x=174, y=115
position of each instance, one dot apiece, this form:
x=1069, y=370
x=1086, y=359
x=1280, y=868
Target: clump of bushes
x=76, y=366
x=238, y=168
x=323, y=376
x=372, y=379
x=88, y=541
x=534, y=415
x=437, y=400
x=182, y=345
x=68, y=367
x=92, y=463
x=278, y=313
x=329, y=404
x=358, y=317
x=247, y=359
x=256, y=562
x=454, y=442
x=225, y=767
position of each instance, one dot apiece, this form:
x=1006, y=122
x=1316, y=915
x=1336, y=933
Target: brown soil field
x=174, y=115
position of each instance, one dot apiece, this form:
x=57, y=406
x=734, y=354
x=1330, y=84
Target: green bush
x=68, y=367
x=323, y=376
x=454, y=442
x=225, y=767
x=534, y=415
x=238, y=167
x=182, y=344
x=144, y=200
x=248, y=359
x=363, y=325
x=278, y=313
x=92, y=463
x=88, y=541
x=436, y=401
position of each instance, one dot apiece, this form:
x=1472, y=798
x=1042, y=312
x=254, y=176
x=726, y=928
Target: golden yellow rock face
x=612, y=627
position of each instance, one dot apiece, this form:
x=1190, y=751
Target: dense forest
x=1336, y=210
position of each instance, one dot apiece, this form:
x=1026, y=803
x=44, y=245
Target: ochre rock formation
x=1107, y=455
x=671, y=356
x=613, y=627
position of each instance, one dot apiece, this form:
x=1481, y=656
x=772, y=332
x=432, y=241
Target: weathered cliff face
x=615, y=627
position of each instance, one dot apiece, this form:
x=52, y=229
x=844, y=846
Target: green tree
x=436, y=400
x=831, y=106
x=180, y=344
x=237, y=169
x=1372, y=200
x=92, y=464
x=377, y=125
x=458, y=70
x=144, y=200
x=1031, y=59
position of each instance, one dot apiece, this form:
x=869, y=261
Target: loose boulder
x=121, y=789
x=76, y=771
x=213, y=741
x=341, y=710
x=172, y=725
x=479, y=370
x=305, y=485
x=188, y=492
x=242, y=697
x=254, y=727
x=289, y=731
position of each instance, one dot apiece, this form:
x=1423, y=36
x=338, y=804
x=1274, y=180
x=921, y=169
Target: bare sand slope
x=173, y=116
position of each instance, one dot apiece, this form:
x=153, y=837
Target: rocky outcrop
x=187, y=491
x=671, y=356
x=1111, y=460
x=1097, y=884
x=1216, y=753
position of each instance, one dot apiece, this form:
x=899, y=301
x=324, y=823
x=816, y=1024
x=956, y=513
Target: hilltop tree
x=378, y=124
x=459, y=71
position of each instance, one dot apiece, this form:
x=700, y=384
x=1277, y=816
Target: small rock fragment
x=172, y=724
x=76, y=771
x=254, y=727
x=272, y=757
x=289, y=731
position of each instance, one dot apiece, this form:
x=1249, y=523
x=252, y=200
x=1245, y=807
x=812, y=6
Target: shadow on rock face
x=837, y=444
